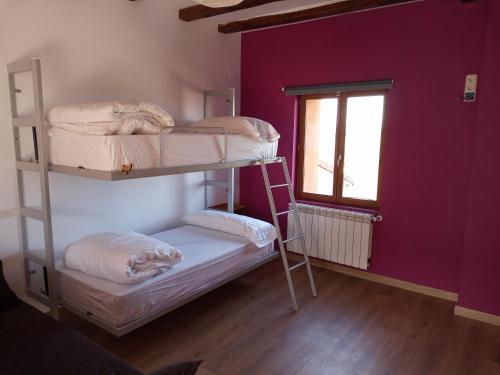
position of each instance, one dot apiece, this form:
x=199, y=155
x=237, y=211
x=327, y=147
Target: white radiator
x=338, y=236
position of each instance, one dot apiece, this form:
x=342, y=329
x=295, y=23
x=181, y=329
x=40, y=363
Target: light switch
x=470, y=88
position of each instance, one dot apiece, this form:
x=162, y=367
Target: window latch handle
x=339, y=160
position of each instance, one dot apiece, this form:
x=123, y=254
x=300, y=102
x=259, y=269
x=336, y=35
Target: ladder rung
x=292, y=239
x=28, y=166
x=23, y=122
x=35, y=258
x=284, y=212
x=31, y=212
x=217, y=184
x=43, y=299
x=298, y=265
x=280, y=185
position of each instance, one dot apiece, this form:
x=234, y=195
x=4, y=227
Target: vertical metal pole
x=230, y=190
x=230, y=172
x=296, y=218
x=278, y=233
x=205, y=104
x=231, y=98
x=205, y=173
x=205, y=191
x=229, y=95
x=44, y=184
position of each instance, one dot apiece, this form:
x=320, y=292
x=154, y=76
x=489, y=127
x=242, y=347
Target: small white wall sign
x=470, y=88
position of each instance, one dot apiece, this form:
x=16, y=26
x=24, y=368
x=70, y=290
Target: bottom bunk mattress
x=111, y=152
x=209, y=257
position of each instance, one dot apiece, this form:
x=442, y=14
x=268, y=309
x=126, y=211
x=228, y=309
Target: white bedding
x=122, y=256
x=259, y=232
x=110, y=118
x=260, y=130
x=209, y=256
x=107, y=153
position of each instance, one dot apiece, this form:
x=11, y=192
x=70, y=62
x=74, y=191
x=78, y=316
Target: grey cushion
x=33, y=343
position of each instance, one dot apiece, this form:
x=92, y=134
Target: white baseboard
x=439, y=293
x=477, y=315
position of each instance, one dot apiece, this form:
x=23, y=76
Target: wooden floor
x=353, y=327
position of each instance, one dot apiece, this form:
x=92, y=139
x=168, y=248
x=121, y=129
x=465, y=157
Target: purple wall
x=480, y=277
x=427, y=48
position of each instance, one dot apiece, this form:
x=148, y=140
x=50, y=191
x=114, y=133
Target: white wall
x=96, y=50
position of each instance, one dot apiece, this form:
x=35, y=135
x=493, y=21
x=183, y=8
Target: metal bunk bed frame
x=49, y=296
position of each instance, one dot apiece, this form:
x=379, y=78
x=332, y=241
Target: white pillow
x=257, y=231
x=253, y=127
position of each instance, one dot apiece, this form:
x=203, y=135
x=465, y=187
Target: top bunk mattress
x=209, y=256
x=111, y=153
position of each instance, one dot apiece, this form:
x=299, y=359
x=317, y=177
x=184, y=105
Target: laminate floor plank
x=354, y=326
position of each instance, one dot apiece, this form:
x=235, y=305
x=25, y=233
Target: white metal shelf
x=155, y=172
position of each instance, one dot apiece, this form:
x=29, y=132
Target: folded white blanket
x=122, y=256
x=108, y=118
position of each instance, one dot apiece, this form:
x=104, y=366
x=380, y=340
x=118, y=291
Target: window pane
x=362, y=146
x=319, y=145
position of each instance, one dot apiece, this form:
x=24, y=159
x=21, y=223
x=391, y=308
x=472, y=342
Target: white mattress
x=209, y=256
x=108, y=153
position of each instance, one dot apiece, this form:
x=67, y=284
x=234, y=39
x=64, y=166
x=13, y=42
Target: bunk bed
x=118, y=308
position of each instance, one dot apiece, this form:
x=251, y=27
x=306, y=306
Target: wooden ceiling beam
x=305, y=14
x=197, y=12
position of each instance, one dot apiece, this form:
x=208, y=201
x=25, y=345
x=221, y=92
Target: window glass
x=363, y=130
x=319, y=146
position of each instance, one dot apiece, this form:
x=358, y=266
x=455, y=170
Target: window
x=339, y=147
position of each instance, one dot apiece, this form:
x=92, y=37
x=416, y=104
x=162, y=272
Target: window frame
x=338, y=175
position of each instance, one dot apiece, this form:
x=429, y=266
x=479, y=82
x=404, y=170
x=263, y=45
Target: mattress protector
x=209, y=256
x=112, y=152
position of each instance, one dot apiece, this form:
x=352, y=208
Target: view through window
x=339, y=147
